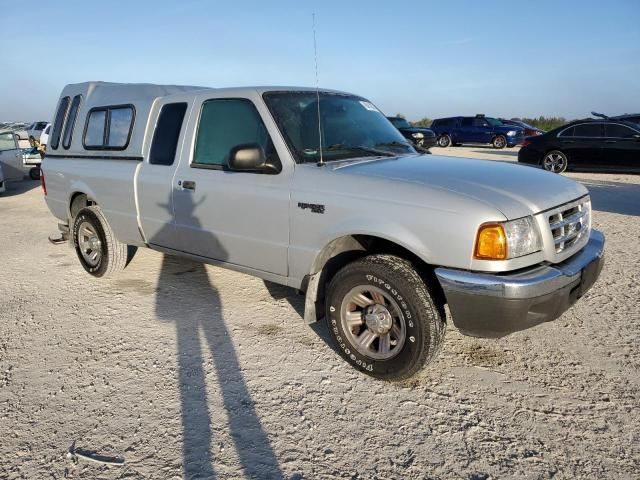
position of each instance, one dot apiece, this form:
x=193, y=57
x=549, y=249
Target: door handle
x=610, y=141
x=188, y=184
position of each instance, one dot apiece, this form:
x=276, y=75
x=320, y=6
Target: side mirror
x=251, y=158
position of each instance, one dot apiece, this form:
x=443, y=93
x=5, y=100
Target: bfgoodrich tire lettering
x=98, y=250
x=424, y=320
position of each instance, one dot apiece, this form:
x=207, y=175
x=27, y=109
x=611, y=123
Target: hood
x=515, y=190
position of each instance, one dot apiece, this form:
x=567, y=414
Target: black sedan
x=423, y=138
x=603, y=144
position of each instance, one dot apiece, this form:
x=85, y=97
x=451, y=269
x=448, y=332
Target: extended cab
x=318, y=191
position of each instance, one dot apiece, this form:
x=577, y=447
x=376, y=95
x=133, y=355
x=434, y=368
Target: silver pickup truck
x=318, y=191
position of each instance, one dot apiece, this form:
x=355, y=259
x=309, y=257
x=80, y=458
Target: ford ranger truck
x=318, y=191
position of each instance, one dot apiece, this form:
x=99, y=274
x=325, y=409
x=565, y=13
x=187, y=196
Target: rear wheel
x=383, y=317
x=555, y=161
x=499, y=141
x=444, y=141
x=98, y=250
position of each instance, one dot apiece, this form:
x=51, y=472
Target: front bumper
x=489, y=305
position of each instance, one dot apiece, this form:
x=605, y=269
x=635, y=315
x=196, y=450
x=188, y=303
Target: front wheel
x=383, y=317
x=34, y=173
x=499, y=141
x=98, y=250
x=555, y=161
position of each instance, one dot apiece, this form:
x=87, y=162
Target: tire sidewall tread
x=114, y=252
x=424, y=320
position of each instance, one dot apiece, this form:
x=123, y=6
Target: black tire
x=34, y=173
x=423, y=316
x=499, y=142
x=554, y=161
x=111, y=254
x=444, y=141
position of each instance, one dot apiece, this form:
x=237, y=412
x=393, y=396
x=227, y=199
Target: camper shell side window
x=109, y=127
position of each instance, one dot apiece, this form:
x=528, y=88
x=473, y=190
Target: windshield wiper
x=359, y=148
x=394, y=143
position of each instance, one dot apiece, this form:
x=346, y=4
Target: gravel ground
x=189, y=371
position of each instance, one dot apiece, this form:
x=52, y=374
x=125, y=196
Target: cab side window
x=228, y=123
x=467, y=122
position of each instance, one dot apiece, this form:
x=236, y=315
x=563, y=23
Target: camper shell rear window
x=109, y=127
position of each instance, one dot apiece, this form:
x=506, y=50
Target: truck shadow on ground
x=296, y=300
x=613, y=197
x=19, y=187
x=186, y=296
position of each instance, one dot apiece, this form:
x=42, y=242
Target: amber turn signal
x=491, y=242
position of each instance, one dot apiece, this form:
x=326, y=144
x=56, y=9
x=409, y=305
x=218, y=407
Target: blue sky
x=511, y=58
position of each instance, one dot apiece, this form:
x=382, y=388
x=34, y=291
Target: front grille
x=570, y=223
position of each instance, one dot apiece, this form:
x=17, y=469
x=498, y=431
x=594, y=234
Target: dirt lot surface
x=187, y=371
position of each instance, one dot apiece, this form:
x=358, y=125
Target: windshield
x=494, y=122
x=350, y=126
x=399, y=122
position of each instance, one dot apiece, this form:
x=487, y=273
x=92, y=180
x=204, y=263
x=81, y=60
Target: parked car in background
x=2, y=185
x=529, y=130
x=602, y=144
x=12, y=157
x=423, y=138
x=478, y=129
x=628, y=117
x=34, y=130
x=44, y=136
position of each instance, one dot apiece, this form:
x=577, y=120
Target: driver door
x=234, y=217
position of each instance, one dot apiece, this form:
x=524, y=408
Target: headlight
x=502, y=241
x=511, y=133
x=417, y=135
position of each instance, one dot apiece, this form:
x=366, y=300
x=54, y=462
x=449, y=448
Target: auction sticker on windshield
x=368, y=106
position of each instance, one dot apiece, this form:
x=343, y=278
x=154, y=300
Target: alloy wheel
x=373, y=322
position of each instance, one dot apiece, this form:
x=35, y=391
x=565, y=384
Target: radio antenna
x=315, y=57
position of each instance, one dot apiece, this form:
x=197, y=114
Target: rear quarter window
x=167, y=133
